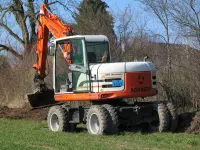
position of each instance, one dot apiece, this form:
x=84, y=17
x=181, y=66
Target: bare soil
x=184, y=121
x=195, y=124
x=24, y=113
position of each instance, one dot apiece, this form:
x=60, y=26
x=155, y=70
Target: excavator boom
x=48, y=23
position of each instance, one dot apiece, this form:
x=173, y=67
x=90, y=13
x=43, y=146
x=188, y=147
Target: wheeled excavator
x=83, y=72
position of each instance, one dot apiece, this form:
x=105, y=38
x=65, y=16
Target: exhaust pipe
x=145, y=58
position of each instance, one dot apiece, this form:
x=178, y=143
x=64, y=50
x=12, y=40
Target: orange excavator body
x=103, y=88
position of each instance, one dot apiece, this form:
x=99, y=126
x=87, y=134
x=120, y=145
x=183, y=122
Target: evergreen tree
x=92, y=17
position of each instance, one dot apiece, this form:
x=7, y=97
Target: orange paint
x=131, y=82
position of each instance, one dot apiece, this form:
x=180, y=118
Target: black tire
x=57, y=119
x=114, y=127
x=173, y=116
x=98, y=120
x=163, y=117
x=161, y=122
x=72, y=126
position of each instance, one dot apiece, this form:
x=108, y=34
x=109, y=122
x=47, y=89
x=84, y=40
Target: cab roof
x=88, y=38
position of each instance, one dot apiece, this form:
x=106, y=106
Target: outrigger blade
x=42, y=99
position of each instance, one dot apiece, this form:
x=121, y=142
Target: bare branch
x=186, y=14
x=65, y=7
x=197, y=19
x=33, y=20
x=19, y=13
x=11, y=50
x=12, y=33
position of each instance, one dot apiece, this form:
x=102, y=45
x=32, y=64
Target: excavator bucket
x=42, y=99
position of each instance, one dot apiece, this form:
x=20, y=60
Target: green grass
x=29, y=135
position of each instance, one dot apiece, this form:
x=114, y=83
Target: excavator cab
x=67, y=74
x=84, y=51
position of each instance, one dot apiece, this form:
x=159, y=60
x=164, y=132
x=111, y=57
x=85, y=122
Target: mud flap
x=42, y=99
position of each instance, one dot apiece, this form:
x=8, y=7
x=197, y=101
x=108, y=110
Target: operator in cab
x=105, y=55
x=97, y=53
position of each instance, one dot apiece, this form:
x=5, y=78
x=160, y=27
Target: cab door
x=72, y=77
x=79, y=66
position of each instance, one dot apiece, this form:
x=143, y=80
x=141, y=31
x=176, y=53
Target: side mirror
x=51, y=50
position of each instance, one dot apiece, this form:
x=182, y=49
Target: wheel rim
x=54, y=123
x=94, y=124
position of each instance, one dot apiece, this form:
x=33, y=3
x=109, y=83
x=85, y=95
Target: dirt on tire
x=163, y=117
x=24, y=113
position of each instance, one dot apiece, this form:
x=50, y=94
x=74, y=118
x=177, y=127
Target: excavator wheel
x=114, y=128
x=98, y=120
x=173, y=116
x=162, y=118
x=72, y=126
x=57, y=119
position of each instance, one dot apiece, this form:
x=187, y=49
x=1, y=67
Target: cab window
x=96, y=51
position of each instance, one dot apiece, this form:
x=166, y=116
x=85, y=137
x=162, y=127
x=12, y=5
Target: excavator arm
x=48, y=23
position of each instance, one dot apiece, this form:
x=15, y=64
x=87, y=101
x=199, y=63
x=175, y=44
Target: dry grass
x=16, y=82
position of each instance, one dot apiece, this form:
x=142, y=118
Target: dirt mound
x=195, y=125
x=184, y=121
x=24, y=113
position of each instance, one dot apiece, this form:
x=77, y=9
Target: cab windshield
x=98, y=52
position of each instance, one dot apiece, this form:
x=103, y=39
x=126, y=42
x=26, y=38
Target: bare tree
x=132, y=35
x=15, y=9
x=160, y=8
x=22, y=15
x=186, y=15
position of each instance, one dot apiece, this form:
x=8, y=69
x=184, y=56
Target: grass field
x=30, y=135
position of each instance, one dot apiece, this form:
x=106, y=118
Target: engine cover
x=110, y=77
